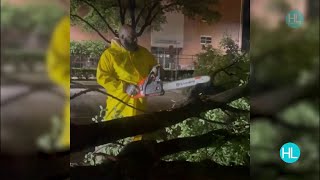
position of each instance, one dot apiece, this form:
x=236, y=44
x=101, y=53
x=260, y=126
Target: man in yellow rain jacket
x=121, y=67
x=58, y=68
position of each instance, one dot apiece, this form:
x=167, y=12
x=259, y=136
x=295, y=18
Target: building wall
x=26, y=2
x=228, y=24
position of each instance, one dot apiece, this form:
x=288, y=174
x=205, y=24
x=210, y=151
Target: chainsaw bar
x=186, y=82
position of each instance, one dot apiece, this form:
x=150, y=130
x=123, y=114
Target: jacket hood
x=115, y=45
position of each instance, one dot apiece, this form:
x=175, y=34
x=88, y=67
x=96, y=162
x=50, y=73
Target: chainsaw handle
x=137, y=96
x=141, y=87
x=152, y=77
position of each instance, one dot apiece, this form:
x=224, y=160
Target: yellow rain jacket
x=58, y=67
x=116, y=67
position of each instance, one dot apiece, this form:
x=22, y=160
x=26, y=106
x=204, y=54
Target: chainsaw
x=152, y=85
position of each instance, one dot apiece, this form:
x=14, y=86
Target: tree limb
x=235, y=110
x=167, y=170
x=147, y=20
x=223, y=69
x=148, y=23
x=35, y=166
x=30, y=91
x=88, y=135
x=132, y=13
x=274, y=101
x=142, y=158
x=140, y=13
x=121, y=12
x=206, y=169
x=95, y=29
x=192, y=143
x=100, y=15
x=229, y=95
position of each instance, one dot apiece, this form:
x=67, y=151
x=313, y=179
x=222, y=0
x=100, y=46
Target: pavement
x=26, y=118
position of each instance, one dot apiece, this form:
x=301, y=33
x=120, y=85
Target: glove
x=132, y=90
x=154, y=71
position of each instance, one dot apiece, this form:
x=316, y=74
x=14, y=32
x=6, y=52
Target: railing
x=168, y=63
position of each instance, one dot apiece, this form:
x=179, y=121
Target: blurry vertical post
x=34, y=89
x=25, y=81
x=58, y=66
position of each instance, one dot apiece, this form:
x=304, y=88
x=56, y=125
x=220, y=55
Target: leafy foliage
x=87, y=48
x=49, y=141
x=84, y=57
x=40, y=17
x=226, y=152
x=281, y=57
x=100, y=154
x=284, y=60
x=14, y=55
x=228, y=67
x=109, y=15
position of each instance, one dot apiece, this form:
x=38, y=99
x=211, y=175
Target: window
x=205, y=39
x=163, y=57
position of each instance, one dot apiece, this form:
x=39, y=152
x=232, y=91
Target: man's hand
x=131, y=89
x=154, y=71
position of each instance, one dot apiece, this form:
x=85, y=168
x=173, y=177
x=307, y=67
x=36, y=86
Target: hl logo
x=294, y=19
x=289, y=153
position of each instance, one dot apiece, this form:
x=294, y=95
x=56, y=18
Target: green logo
x=294, y=19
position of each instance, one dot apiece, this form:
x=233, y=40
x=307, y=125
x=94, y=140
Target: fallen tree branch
x=88, y=135
x=166, y=170
x=36, y=166
x=271, y=102
x=30, y=91
x=230, y=94
x=235, y=110
x=192, y=143
x=141, y=159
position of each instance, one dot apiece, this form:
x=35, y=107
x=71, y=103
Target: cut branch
x=229, y=95
x=269, y=103
x=166, y=170
x=206, y=169
x=95, y=29
x=142, y=158
x=84, y=136
x=35, y=166
x=192, y=143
